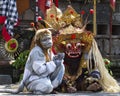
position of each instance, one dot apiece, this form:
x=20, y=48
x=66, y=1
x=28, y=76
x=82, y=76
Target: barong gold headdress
x=58, y=20
x=68, y=24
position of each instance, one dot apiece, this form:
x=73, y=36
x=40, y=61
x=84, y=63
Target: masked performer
x=43, y=71
x=84, y=66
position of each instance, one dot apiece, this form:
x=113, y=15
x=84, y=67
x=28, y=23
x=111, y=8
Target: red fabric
x=5, y=34
x=56, y=3
x=41, y=5
x=113, y=4
x=2, y=19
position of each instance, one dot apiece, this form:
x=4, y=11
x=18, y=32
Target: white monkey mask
x=46, y=41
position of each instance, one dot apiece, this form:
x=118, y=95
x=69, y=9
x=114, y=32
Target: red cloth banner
x=2, y=19
x=113, y=4
x=5, y=34
x=41, y=5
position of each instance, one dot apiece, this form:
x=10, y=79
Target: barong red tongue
x=5, y=34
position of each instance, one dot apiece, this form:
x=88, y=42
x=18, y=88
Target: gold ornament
x=11, y=45
x=53, y=16
x=58, y=20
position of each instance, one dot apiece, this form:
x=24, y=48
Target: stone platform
x=9, y=85
x=85, y=93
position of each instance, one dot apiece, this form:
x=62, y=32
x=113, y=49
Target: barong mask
x=72, y=38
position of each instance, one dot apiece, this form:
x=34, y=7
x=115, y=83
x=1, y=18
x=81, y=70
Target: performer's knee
x=47, y=88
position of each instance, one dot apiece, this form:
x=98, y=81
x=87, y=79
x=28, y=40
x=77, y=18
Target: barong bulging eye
x=68, y=46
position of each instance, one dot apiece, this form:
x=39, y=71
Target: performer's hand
x=59, y=56
x=58, y=59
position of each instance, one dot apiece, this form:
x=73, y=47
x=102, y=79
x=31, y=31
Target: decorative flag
x=9, y=17
x=36, y=11
x=113, y=4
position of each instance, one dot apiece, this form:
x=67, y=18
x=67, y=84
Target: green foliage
x=21, y=60
x=21, y=77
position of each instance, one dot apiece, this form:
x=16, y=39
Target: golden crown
x=69, y=24
x=58, y=20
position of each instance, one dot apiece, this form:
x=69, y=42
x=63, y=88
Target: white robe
x=40, y=75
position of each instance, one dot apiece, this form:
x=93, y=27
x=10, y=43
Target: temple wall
x=109, y=49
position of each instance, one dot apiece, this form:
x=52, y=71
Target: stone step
x=5, y=79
